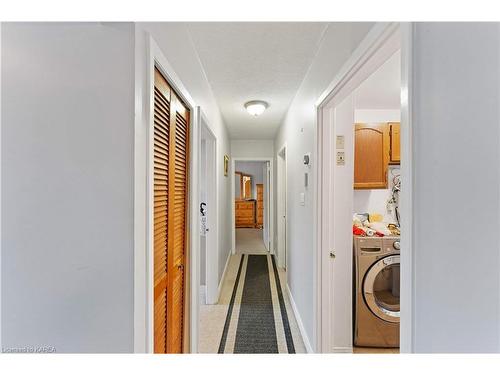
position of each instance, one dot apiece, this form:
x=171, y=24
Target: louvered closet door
x=177, y=216
x=170, y=150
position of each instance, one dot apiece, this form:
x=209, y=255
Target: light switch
x=340, y=142
x=302, y=199
x=340, y=158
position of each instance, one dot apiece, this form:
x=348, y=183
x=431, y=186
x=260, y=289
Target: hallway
x=249, y=241
x=249, y=187
x=254, y=314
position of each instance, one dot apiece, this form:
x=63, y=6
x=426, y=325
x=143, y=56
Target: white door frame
x=212, y=201
x=373, y=50
x=148, y=55
x=271, y=201
x=282, y=229
x=266, y=170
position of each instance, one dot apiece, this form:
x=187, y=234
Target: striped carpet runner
x=257, y=320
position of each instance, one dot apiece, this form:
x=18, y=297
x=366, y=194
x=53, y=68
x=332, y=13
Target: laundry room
x=376, y=215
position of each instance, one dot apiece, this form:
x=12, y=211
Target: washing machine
x=376, y=288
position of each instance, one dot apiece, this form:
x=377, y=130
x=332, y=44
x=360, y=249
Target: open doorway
x=358, y=269
x=376, y=211
x=251, y=207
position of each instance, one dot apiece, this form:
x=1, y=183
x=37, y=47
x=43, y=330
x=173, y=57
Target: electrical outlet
x=341, y=158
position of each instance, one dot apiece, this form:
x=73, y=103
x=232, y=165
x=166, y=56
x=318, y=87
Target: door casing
x=377, y=46
x=271, y=200
x=212, y=236
x=282, y=219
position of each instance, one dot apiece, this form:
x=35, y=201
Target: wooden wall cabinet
x=395, y=135
x=371, y=155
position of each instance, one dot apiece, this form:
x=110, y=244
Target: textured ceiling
x=382, y=90
x=255, y=61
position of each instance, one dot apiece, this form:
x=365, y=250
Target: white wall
x=262, y=148
x=67, y=186
x=176, y=45
x=377, y=115
x=254, y=169
x=298, y=131
x=456, y=214
x=68, y=177
x=375, y=200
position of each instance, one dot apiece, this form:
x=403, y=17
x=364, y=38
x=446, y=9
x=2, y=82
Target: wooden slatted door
x=171, y=151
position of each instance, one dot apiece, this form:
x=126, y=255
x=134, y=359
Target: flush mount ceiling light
x=256, y=107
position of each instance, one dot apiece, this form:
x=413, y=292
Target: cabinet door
x=371, y=156
x=395, y=142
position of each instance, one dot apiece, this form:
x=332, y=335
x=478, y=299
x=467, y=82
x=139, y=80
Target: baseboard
x=221, y=282
x=302, y=330
x=203, y=294
x=341, y=349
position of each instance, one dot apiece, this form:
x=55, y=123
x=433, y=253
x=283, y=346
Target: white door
x=208, y=215
x=336, y=211
x=282, y=209
x=266, y=172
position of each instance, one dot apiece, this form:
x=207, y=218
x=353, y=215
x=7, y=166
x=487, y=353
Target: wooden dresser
x=260, y=206
x=245, y=213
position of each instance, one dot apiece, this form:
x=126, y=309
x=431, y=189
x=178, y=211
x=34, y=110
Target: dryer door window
x=381, y=288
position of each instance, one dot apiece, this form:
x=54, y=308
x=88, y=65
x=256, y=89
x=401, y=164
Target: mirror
x=243, y=186
x=247, y=186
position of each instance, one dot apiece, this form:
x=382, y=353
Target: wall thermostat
x=340, y=142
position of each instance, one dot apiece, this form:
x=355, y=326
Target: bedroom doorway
x=252, y=200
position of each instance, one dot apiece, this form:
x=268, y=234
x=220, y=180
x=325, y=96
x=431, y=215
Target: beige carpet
x=250, y=241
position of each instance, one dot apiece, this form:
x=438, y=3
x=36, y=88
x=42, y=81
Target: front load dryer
x=376, y=307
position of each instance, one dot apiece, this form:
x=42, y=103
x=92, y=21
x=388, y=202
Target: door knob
x=180, y=266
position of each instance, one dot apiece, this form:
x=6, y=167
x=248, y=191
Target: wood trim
x=395, y=143
x=259, y=215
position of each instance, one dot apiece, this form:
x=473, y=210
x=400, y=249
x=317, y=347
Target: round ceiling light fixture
x=256, y=107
